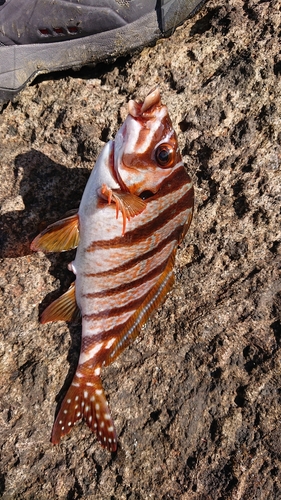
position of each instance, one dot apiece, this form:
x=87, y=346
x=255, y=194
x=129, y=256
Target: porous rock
x=196, y=398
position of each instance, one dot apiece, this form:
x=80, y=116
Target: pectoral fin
x=58, y=237
x=62, y=309
x=129, y=204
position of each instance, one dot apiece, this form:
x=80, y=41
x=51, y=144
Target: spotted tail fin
x=87, y=401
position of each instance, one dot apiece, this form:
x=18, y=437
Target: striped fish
x=135, y=210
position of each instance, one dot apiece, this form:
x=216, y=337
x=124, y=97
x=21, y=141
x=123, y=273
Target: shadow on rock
x=72, y=359
x=48, y=190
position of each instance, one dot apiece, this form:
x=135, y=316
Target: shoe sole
x=20, y=64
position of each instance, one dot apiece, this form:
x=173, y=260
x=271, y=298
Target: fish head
x=146, y=147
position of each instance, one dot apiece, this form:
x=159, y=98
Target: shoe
x=50, y=35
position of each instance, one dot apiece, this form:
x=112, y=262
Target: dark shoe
x=50, y=35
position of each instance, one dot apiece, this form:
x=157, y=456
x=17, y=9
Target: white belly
x=95, y=222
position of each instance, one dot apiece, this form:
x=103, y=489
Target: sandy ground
x=196, y=398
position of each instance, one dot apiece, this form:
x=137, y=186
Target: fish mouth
x=137, y=109
x=128, y=171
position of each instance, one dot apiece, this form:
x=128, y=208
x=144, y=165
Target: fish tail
x=87, y=401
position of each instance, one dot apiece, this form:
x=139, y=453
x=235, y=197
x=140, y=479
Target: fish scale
x=135, y=210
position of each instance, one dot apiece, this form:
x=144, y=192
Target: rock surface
x=196, y=398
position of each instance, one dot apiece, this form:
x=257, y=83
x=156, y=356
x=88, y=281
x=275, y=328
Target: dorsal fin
x=186, y=226
x=58, y=237
x=62, y=309
x=154, y=298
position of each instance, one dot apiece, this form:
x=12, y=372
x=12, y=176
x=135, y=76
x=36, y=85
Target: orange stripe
x=170, y=185
x=114, y=311
x=144, y=158
x=127, y=331
x=140, y=258
x=152, y=300
x=130, y=285
x=144, y=231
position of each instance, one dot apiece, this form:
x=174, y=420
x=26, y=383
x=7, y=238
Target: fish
x=135, y=211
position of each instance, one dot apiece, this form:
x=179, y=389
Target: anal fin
x=62, y=309
x=58, y=237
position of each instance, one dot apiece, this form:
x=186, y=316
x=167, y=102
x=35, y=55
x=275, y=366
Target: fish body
x=135, y=210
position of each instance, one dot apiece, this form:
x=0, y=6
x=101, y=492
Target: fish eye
x=145, y=195
x=165, y=155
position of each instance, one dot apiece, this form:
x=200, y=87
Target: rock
x=196, y=398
